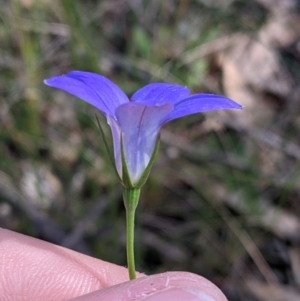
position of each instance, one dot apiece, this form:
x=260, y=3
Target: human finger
x=175, y=286
x=31, y=269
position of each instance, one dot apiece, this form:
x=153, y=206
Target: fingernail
x=180, y=294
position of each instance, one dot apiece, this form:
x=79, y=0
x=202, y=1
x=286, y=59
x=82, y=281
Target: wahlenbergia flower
x=135, y=122
x=135, y=126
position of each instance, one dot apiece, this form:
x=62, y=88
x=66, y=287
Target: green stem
x=131, y=199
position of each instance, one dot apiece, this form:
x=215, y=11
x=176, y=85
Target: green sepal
x=146, y=173
x=126, y=181
x=107, y=147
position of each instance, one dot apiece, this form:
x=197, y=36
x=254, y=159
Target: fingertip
x=52, y=271
x=181, y=285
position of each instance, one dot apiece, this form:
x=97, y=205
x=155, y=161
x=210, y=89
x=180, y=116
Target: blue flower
x=135, y=123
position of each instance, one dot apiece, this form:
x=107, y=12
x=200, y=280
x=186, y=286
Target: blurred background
x=223, y=198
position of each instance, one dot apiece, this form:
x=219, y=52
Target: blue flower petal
x=92, y=88
x=140, y=125
x=201, y=103
x=160, y=93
